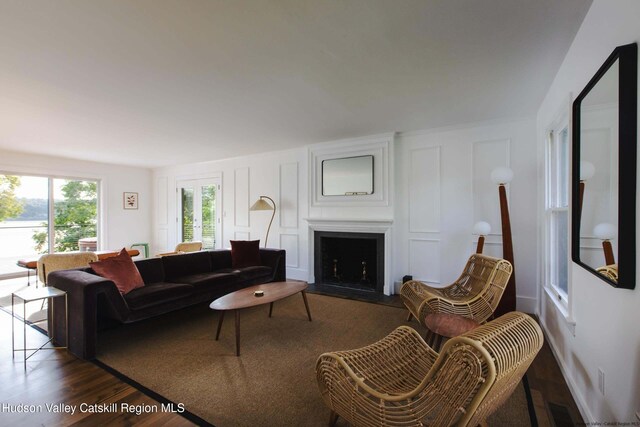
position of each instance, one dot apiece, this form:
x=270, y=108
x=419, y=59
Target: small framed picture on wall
x=130, y=200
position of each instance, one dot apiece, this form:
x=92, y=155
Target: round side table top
x=449, y=325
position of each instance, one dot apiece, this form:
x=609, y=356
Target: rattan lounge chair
x=475, y=295
x=401, y=381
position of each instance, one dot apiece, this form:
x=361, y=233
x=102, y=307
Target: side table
x=30, y=295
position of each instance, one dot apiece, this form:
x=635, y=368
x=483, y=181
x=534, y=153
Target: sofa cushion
x=151, y=270
x=186, y=264
x=249, y=274
x=245, y=253
x=208, y=279
x=121, y=270
x=255, y=272
x=156, y=293
x=220, y=258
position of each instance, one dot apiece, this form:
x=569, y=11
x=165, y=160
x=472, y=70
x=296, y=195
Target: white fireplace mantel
x=355, y=226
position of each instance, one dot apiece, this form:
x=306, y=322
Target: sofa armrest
x=82, y=290
x=276, y=259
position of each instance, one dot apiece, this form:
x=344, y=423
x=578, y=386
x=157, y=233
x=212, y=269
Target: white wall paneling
x=161, y=240
x=424, y=260
x=241, y=199
x=488, y=155
x=162, y=205
x=290, y=243
x=424, y=190
x=289, y=199
x=241, y=235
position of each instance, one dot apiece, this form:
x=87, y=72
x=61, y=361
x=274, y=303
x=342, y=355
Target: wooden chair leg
x=333, y=419
x=409, y=317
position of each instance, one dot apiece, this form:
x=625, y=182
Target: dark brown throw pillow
x=245, y=253
x=121, y=270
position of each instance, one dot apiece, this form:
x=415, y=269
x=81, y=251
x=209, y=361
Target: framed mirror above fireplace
x=352, y=173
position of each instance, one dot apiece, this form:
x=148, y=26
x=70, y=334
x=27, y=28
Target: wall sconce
x=606, y=232
x=262, y=205
x=481, y=229
x=502, y=176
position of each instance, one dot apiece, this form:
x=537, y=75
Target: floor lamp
x=587, y=170
x=262, y=205
x=502, y=176
x=482, y=229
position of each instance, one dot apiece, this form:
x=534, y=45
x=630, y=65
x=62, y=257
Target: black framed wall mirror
x=603, y=182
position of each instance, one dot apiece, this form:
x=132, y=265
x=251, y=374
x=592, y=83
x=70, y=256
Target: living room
x=432, y=157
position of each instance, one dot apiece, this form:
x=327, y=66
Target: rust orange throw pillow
x=120, y=270
x=245, y=253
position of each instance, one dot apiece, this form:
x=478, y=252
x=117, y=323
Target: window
x=557, y=213
x=45, y=215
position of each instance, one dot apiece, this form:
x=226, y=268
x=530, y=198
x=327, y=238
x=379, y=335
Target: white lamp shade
x=605, y=231
x=501, y=175
x=481, y=228
x=587, y=170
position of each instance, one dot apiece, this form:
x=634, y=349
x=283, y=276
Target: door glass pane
x=187, y=214
x=208, y=216
x=75, y=205
x=23, y=219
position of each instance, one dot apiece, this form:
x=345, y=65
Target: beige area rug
x=273, y=381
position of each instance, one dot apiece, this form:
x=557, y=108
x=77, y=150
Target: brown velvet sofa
x=171, y=283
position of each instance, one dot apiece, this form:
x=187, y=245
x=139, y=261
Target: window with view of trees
x=44, y=215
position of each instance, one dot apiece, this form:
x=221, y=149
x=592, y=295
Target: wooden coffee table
x=245, y=298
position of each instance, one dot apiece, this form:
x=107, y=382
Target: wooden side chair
x=475, y=295
x=184, y=247
x=401, y=381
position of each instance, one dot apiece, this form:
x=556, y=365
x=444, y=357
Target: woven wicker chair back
x=188, y=247
x=63, y=261
x=474, y=295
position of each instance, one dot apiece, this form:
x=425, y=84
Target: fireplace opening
x=349, y=260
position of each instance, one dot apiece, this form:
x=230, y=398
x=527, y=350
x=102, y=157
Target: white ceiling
x=159, y=82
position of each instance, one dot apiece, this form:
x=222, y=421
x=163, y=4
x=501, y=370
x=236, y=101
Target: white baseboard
x=573, y=388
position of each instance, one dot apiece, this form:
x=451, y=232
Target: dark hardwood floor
x=58, y=377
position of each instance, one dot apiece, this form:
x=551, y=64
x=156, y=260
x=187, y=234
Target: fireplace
x=352, y=261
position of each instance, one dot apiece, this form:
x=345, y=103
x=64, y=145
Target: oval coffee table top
x=244, y=298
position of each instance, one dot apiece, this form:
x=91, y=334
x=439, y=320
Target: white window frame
x=552, y=206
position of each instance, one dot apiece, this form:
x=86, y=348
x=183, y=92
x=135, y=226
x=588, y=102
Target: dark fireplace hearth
x=350, y=261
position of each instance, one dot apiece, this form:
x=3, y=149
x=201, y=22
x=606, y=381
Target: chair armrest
x=82, y=290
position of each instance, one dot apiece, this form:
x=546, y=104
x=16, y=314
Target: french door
x=199, y=216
